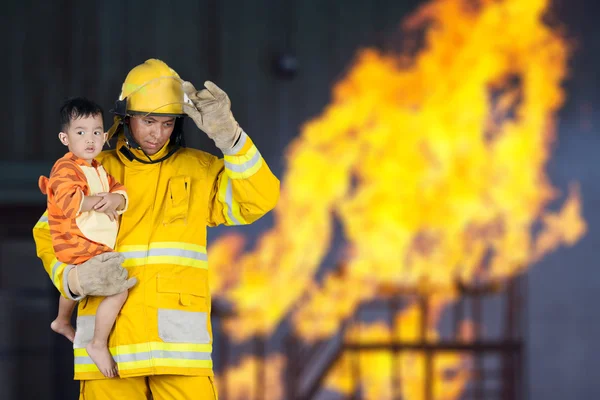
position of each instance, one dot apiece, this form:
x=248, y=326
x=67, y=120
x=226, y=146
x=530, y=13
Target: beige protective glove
x=212, y=114
x=102, y=275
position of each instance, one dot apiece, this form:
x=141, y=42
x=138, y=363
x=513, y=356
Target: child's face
x=85, y=137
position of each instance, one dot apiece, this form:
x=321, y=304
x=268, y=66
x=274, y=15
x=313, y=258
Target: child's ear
x=64, y=139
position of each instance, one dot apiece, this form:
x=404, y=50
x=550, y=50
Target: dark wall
x=563, y=320
x=53, y=50
x=68, y=47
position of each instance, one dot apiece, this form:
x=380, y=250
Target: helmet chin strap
x=177, y=140
x=131, y=143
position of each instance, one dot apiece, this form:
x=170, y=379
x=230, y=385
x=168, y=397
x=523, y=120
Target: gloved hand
x=212, y=114
x=102, y=275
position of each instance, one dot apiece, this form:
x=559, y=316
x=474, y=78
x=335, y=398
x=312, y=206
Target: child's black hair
x=77, y=107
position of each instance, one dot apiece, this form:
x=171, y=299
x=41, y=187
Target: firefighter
x=162, y=339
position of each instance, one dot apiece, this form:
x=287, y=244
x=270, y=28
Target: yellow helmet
x=153, y=88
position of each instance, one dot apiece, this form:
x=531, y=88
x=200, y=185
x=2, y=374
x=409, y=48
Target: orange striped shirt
x=78, y=236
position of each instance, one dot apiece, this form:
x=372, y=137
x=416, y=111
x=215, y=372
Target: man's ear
x=64, y=139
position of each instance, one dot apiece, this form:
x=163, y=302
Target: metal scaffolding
x=497, y=364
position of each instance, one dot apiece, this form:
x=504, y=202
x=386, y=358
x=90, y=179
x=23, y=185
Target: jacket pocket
x=84, y=331
x=178, y=200
x=182, y=310
x=176, y=326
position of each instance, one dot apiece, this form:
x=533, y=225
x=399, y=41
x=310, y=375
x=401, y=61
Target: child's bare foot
x=99, y=353
x=64, y=328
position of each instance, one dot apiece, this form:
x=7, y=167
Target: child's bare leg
x=105, y=319
x=62, y=323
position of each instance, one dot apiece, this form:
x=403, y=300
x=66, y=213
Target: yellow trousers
x=156, y=387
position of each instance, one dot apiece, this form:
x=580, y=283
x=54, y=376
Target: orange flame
x=434, y=165
x=241, y=383
x=377, y=367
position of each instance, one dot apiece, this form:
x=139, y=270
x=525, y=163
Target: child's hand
x=110, y=203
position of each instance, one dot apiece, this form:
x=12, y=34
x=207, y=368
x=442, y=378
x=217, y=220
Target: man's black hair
x=77, y=107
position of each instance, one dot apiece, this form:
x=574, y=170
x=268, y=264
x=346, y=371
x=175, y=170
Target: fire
x=239, y=382
x=450, y=370
x=433, y=163
x=222, y=259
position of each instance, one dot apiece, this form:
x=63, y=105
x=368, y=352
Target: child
x=83, y=207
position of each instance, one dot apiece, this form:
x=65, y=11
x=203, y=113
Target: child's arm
x=89, y=202
x=111, y=202
x=117, y=188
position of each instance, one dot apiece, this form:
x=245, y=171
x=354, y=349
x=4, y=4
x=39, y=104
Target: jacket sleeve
x=55, y=269
x=244, y=188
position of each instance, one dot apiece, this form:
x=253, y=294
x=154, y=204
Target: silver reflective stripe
x=245, y=166
x=196, y=255
x=179, y=253
x=179, y=355
x=54, y=268
x=135, y=254
x=229, y=201
x=43, y=219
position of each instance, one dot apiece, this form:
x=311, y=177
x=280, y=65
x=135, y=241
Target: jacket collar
x=139, y=154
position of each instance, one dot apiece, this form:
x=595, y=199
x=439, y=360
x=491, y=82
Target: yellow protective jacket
x=164, y=326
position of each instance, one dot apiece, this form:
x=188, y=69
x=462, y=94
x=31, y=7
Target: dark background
x=52, y=50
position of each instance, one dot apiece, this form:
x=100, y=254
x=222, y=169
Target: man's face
x=85, y=137
x=151, y=132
